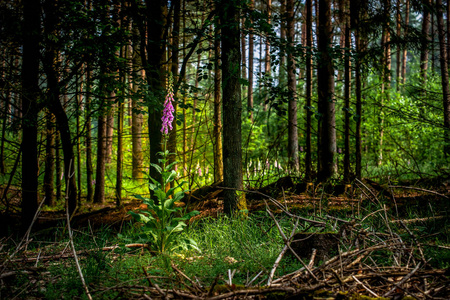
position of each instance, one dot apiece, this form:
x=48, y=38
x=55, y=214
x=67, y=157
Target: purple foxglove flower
x=167, y=117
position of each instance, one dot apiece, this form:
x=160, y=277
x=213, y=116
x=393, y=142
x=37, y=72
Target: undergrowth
x=244, y=249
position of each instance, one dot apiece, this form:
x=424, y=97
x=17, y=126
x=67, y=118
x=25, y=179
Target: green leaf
x=157, y=167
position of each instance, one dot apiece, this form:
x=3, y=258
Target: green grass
x=248, y=246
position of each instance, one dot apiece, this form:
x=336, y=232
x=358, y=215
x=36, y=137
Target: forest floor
x=408, y=231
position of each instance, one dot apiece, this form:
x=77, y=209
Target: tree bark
x=250, y=67
x=218, y=154
x=172, y=143
x=49, y=160
x=308, y=106
x=99, y=193
x=444, y=75
x=234, y=200
x=137, y=120
x=358, y=11
x=425, y=40
x=156, y=75
x=398, y=52
x=110, y=129
x=51, y=66
x=88, y=138
x=385, y=75
x=30, y=94
x=292, y=89
x=405, y=50
x=325, y=72
x=347, y=89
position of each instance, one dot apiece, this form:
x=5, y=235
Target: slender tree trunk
x=432, y=38
x=172, y=143
x=358, y=11
x=78, y=96
x=234, y=200
x=119, y=133
x=292, y=90
x=243, y=52
x=282, y=38
x=58, y=166
x=7, y=76
x=385, y=77
x=51, y=66
x=119, y=166
x=398, y=52
x=110, y=130
x=49, y=160
x=347, y=89
x=405, y=50
x=358, y=106
x=69, y=157
x=99, y=193
x=444, y=74
x=184, y=98
x=308, y=106
x=425, y=40
x=448, y=28
x=267, y=63
x=325, y=72
x=88, y=138
x=218, y=155
x=30, y=94
x=156, y=75
x=136, y=122
x=250, y=67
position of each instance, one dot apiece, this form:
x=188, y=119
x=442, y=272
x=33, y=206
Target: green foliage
x=162, y=221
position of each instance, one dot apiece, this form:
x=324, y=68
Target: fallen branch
x=418, y=189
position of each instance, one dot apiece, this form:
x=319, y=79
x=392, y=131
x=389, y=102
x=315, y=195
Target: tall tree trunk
x=99, y=192
x=358, y=11
x=110, y=129
x=267, y=63
x=136, y=117
x=292, y=90
x=51, y=66
x=308, y=106
x=398, y=52
x=30, y=94
x=184, y=98
x=425, y=40
x=59, y=169
x=218, y=155
x=432, y=38
x=79, y=99
x=156, y=75
x=250, y=67
x=234, y=200
x=281, y=72
x=385, y=76
x=243, y=52
x=120, y=120
x=69, y=157
x=119, y=165
x=88, y=138
x=444, y=74
x=49, y=175
x=347, y=88
x=404, y=48
x=172, y=143
x=325, y=76
x=7, y=76
x=358, y=106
